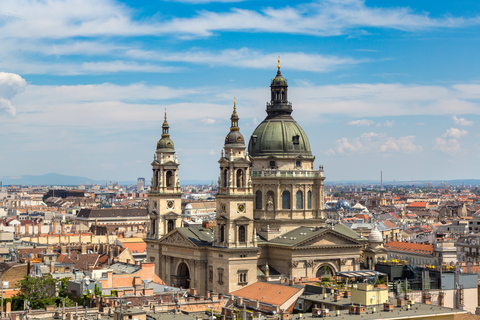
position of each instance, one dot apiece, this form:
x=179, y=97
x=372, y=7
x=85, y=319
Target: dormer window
x=272, y=164
x=296, y=139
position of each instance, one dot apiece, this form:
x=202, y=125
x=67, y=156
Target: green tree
x=39, y=291
x=63, y=295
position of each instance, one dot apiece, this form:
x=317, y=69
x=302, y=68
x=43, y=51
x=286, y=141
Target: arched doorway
x=325, y=271
x=183, y=276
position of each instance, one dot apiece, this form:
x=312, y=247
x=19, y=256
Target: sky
x=390, y=86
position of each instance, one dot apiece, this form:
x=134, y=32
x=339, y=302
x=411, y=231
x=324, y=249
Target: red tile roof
x=135, y=247
x=269, y=293
x=410, y=247
x=417, y=204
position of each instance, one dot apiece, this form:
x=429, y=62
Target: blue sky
x=376, y=85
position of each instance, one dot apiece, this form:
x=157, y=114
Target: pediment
x=328, y=238
x=177, y=238
x=171, y=215
x=242, y=218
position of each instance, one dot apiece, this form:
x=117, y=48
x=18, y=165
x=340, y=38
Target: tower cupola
x=165, y=144
x=234, y=138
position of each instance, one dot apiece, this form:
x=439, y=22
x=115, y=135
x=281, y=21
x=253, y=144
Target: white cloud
x=381, y=100
x=388, y=124
x=361, y=122
x=374, y=143
x=208, y=121
x=461, y=121
x=324, y=18
x=447, y=146
x=37, y=19
x=455, y=133
x=401, y=144
x=10, y=85
x=248, y=58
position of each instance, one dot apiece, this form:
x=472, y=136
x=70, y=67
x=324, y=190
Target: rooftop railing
x=286, y=173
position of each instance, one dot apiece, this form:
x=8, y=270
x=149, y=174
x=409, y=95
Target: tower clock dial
x=170, y=204
x=224, y=207
x=241, y=207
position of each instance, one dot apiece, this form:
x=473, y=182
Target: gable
x=177, y=238
x=328, y=238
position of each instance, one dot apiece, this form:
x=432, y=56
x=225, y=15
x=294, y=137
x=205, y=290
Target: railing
x=281, y=105
x=286, y=173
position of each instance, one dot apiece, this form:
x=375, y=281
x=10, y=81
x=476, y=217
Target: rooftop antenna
x=381, y=180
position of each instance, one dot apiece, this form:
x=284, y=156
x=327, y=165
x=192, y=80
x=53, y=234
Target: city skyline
x=376, y=87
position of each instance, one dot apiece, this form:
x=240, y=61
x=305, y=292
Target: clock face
x=155, y=204
x=224, y=208
x=170, y=204
x=241, y=207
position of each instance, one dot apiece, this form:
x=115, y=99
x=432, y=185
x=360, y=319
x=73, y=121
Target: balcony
x=273, y=173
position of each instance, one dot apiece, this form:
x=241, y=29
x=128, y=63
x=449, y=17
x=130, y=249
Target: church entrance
x=183, y=276
x=325, y=271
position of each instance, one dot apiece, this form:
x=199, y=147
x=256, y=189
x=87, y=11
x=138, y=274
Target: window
x=225, y=178
x=240, y=180
x=210, y=274
x=309, y=200
x=242, y=276
x=299, y=200
x=286, y=199
x=222, y=233
x=220, y=276
x=169, y=179
x=272, y=164
x=170, y=225
x=298, y=163
x=258, y=200
x=296, y=139
x=241, y=234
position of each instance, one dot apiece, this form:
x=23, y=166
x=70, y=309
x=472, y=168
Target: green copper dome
x=165, y=144
x=279, y=134
x=281, y=137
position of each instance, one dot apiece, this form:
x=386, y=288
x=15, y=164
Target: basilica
x=270, y=221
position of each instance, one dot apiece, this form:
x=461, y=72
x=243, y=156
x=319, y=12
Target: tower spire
x=234, y=118
x=278, y=66
x=165, y=126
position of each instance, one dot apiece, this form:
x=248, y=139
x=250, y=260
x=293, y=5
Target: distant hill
x=54, y=179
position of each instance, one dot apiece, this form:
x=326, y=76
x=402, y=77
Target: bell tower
x=234, y=193
x=165, y=194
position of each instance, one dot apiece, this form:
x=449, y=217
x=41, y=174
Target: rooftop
x=410, y=247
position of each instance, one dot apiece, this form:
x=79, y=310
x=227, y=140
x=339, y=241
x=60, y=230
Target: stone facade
x=270, y=214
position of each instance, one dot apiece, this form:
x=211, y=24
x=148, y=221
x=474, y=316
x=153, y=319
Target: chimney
x=110, y=279
x=84, y=248
x=52, y=267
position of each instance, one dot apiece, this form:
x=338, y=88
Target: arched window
x=286, y=199
x=225, y=178
x=170, y=225
x=241, y=234
x=309, y=200
x=258, y=200
x=240, y=179
x=222, y=233
x=299, y=200
x=169, y=178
